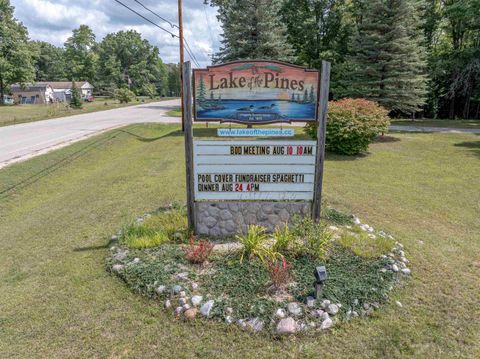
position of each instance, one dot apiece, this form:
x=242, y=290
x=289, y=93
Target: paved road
x=432, y=129
x=22, y=141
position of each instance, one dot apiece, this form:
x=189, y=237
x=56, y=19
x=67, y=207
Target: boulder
x=206, y=308
x=286, y=326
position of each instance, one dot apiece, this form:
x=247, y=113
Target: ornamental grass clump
x=284, y=241
x=314, y=239
x=352, y=125
x=255, y=244
x=363, y=245
x=198, y=252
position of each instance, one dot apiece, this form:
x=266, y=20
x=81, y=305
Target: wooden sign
x=255, y=92
x=254, y=170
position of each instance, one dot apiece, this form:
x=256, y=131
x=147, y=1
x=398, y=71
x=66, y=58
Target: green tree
x=127, y=60
x=80, y=56
x=173, y=80
x=388, y=61
x=16, y=57
x=76, y=101
x=252, y=29
x=49, y=61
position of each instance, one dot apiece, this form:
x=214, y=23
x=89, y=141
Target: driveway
x=23, y=141
x=432, y=129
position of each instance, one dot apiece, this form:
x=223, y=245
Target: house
x=63, y=89
x=49, y=92
x=36, y=93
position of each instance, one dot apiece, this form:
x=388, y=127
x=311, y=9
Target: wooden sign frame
x=321, y=111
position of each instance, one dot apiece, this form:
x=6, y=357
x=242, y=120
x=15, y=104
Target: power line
x=190, y=51
x=143, y=17
x=154, y=13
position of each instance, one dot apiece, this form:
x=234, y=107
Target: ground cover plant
x=58, y=301
x=265, y=280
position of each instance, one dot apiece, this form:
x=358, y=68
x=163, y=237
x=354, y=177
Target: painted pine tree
x=389, y=60
x=311, y=95
x=252, y=29
x=201, y=91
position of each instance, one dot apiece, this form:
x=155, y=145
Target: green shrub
x=352, y=125
x=314, y=239
x=364, y=246
x=124, y=95
x=255, y=244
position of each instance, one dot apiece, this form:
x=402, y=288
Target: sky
x=54, y=20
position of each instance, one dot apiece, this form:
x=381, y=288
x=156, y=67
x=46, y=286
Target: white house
x=36, y=93
x=48, y=92
x=63, y=89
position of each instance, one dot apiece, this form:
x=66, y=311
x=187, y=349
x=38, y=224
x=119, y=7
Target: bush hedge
x=352, y=125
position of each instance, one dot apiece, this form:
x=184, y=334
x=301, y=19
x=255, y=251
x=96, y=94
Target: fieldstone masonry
x=217, y=219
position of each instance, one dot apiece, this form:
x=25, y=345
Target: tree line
x=414, y=57
x=121, y=60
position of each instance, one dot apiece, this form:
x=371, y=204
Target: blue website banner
x=255, y=132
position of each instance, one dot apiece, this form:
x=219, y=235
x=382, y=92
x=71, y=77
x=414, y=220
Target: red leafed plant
x=198, y=251
x=279, y=272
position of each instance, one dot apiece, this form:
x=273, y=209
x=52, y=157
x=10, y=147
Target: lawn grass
x=57, y=300
x=10, y=115
x=177, y=112
x=438, y=123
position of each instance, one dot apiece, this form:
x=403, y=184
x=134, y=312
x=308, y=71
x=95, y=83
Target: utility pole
x=180, y=36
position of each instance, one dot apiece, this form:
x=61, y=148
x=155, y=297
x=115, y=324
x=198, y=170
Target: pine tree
x=202, y=92
x=76, y=101
x=252, y=29
x=389, y=58
x=311, y=96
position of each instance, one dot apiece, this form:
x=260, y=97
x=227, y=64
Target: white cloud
x=53, y=21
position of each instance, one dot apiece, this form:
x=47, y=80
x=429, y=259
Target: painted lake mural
x=255, y=92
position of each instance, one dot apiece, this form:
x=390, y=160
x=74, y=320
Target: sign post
x=321, y=132
x=188, y=128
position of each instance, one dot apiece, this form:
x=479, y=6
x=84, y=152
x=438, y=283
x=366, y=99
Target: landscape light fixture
x=320, y=277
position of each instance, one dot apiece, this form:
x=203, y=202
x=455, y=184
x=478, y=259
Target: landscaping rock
x=324, y=316
x=182, y=275
x=317, y=313
x=160, y=289
x=228, y=319
x=178, y=311
x=191, y=313
x=325, y=304
x=406, y=271
x=294, y=308
x=286, y=326
x=207, y=307
x=186, y=306
x=196, y=300
x=194, y=286
x=395, y=268
x=280, y=313
x=310, y=302
x=255, y=324
x=399, y=304
x=182, y=293
x=356, y=220
x=182, y=301
x=241, y=323
x=327, y=323
x=114, y=238
x=229, y=310
x=136, y=260
x=118, y=267
x=168, y=304
x=332, y=309
x=177, y=289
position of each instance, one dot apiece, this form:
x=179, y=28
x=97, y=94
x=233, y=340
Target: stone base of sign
x=218, y=219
